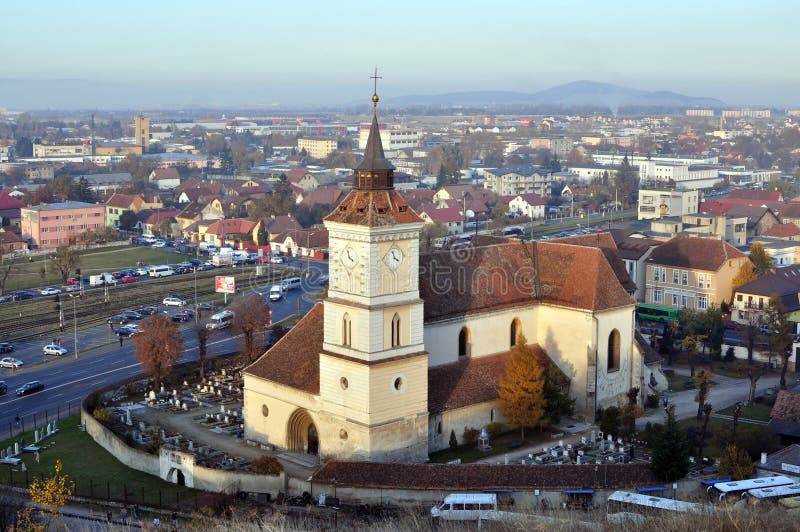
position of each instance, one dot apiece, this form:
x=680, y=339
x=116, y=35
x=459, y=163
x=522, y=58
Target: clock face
x=394, y=257
x=349, y=257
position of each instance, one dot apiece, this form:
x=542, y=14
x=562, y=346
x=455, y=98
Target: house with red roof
x=165, y=178
x=152, y=222
x=231, y=232
x=450, y=217
x=784, y=231
x=303, y=179
x=531, y=205
x=9, y=208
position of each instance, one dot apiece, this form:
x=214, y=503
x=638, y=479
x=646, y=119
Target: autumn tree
x=251, y=318
x=521, y=389
x=736, y=463
x=703, y=430
x=631, y=410
x=761, y=261
x=165, y=227
x=65, y=260
x=670, y=460
x=751, y=332
x=429, y=234
x=753, y=375
x=558, y=403
x=689, y=345
x=203, y=333
x=158, y=345
x=779, y=334
x=52, y=493
x=745, y=274
x=702, y=382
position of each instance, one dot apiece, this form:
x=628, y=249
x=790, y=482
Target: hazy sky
x=310, y=51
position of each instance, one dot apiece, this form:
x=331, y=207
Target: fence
x=40, y=419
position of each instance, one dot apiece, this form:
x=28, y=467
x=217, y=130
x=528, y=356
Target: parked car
x=183, y=316
x=72, y=288
x=50, y=291
x=173, y=302
x=54, y=349
x=117, y=319
x=5, y=347
x=117, y=275
x=132, y=315
x=205, y=267
x=127, y=330
x=205, y=306
x=143, y=270
x=159, y=243
x=19, y=295
x=277, y=260
x=148, y=311
x=73, y=281
x=10, y=362
x=195, y=262
x=129, y=279
x=30, y=387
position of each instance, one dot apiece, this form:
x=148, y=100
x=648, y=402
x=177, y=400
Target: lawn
x=29, y=274
x=758, y=411
x=95, y=471
x=677, y=383
x=501, y=444
x=716, y=425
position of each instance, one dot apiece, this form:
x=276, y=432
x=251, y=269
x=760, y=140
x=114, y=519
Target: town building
x=700, y=112
x=65, y=149
x=141, y=132
x=57, y=224
x=521, y=179
x=317, y=147
x=750, y=299
x=117, y=149
x=393, y=137
x=635, y=248
x=659, y=203
x=531, y=205
x=560, y=146
x=165, y=178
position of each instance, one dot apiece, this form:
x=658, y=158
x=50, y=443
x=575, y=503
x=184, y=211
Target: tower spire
x=375, y=77
x=375, y=172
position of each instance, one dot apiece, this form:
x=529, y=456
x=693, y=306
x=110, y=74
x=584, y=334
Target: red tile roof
x=756, y=195
x=477, y=477
x=122, y=201
x=373, y=208
x=445, y=216
x=7, y=201
x=324, y=195
x=787, y=406
x=783, y=230
x=157, y=216
x=533, y=199
x=314, y=237
x=165, y=173
x=697, y=253
x=294, y=360
x=281, y=223
x=233, y=226
x=605, y=242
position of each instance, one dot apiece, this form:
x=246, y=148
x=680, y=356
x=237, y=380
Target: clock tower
x=373, y=365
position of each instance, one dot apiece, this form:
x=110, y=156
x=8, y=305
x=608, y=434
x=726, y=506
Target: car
x=127, y=330
x=129, y=279
x=117, y=319
x=323, y=279
x=173, y=302
x=142, y=270
x=132, y=315
x=23, y=294
x=148, y=311
x=183, y=269
x=72, y=281
x=262, y=260
x=170, y=243
x=72, y=288
x=116, y=275
x=54, y=349
x=5, y=347
x=30, y=387
x=205, y=306
x=10, y=362
x=159, y=244
x=50, y=291
x=195, y=262
x=183, y=316
x=276, y=260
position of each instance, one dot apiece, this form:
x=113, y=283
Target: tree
x=745, y=274
x=630, y=411
x=262, y=236
x=204, y=334
x=521, y=389
x=761, y=261
x=558, y=403
x=689, y=344
x=251, y=318
x=625, y=181
x=736, y=463
x=127, y=220
x=453, y=440
x=88, y=236
x=66, y=260
x=430, y=233
x=5, y=271
x=701, y=438
x=670, y=460
x=779, y=338
x=53, y=492
x=702, y=382
x=165, y=227
x=610, y=421
x=753, y=376
x=751, y=332
x=158, y=345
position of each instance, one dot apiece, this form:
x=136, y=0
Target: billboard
x=225, y=284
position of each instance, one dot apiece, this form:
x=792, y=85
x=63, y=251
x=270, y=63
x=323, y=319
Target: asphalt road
x=102, y=361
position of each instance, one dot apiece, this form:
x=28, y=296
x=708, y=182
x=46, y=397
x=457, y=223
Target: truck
x=102, y=279
x=221, y=259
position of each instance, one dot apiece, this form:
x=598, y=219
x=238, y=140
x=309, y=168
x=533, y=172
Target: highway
x=101, y=360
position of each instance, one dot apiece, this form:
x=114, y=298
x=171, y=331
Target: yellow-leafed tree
x=521, y=389
x=50, y=493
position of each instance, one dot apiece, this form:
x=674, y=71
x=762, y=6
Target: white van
x=291, y=283
x=275, y=293
x=466, y=507
x=220, y=320
x=148, y=238
x=161, y=271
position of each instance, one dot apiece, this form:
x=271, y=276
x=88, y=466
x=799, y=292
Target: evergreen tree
x=556, y=395
x=670, y=460
x=761, y=261
x=453, y=441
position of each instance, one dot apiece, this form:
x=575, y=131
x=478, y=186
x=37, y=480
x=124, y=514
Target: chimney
x=763, y=458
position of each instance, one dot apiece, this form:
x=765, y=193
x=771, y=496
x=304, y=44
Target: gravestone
x=36, y=436
x=142, y=426
x=174, y=392
x=128, y=420
x=163, y=434
x=139, y=438
x=222, y=409
x=152, y=395
x=9, y=452
x=191, y=446
x=223, y=372
x=185, y=384
x=2, y=454
x=185, y=407
x=227, y=420
x=162, y=390
x=219, y=392
x=16, y=448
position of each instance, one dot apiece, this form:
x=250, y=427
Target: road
x=101, y=360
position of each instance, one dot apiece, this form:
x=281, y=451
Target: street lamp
x=195, y=294
x=75, y=322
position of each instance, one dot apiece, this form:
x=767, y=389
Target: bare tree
x=753, y=375
x=65, y=260
x=204, y=334
x=4, y=273
x=251, y=319
x=158, y=345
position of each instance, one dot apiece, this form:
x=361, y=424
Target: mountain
x=577, y=93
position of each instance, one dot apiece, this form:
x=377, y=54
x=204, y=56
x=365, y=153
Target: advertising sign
x=225, y=284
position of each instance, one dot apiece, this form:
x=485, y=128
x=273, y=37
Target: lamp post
x=195, y=294
x=75, y=322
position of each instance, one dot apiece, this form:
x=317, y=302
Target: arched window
x=464, y=343
x=515, y=331
x=347, y=330
x=613, y=350
x=395, y=330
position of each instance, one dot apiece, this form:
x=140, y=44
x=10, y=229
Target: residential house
x=419, y=199
x=780, y=252
x=531, y=205
x=785, y=462
x=190, y=214
x=303, y=179
x=150, y=221
x=165, y=178
x=281, y=224
x=635, y=248
x=450, y=217
x=688, y=272
x=55, y=224
x=198, y=193
x=759, y=217
x=325, y=195
x=107, y=183
x=459, y=192
x=232, y=232
x=9, y=209
x=301, y=243
x=790, y=212
x=750, y=299
x=118, y=203
x=729, y=228
x=10, y=241
x=784, y=231
x=785, y=418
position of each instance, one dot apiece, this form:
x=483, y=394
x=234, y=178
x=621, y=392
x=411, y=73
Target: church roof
x=373, y=208
x=294, y=360
x=374, y=158
x=605, y=242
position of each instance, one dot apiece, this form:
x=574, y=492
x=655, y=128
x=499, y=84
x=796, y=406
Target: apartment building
x=560, y=146
x=700, y=112
x=57, y=224
x=515, y=180
x=317, y=147
x=751, y=299
x=658, y=203
x=78, y=148
x=392, y=137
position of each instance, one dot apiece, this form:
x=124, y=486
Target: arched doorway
x=176, y=475
x=301, y=433
x=464, y=343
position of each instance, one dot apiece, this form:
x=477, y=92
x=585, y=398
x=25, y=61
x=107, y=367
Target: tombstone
x=227, y=420
x=174, y=392
x=142, y=426
x=191, y=446
x=619, y=441
x=163, y=434
x=580, y=458
x=580, y=453
x=583, y=440
x=561, y=443
x=16, y=448
x=9, y=451
x=594, y=437
x=230, y=387
x=222, y=409
x=36, y=436
x=554, y=454
x=185, y=407
x=162, y=390
x=621, y=449
x=2, y=454
x=152, y=395
x=611, y=438
x=139, y=438
x=51, y=428
x=128, y=420
x=223, y=372
x=219, y=392
x=24, y=467
x=204, y=389
x=185, y=384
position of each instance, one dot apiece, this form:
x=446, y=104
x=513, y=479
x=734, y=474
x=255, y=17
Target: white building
x=513, y=180
x=393, y=137
x=660, y=203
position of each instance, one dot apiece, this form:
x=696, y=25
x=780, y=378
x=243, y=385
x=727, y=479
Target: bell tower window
x=395, y=330
x=347, y=330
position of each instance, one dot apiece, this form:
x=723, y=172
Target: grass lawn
x=715, y=425
x=29, y=274
x=500, y=445
x=95, y=471
x=758, y=412
x=677, y=383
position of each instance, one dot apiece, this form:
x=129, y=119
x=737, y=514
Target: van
x=161, y=271
x=220, y=320
x=275, y=293
x=291, y=283
x=466, y=507
x=148, y=238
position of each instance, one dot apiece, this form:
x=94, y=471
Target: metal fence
x=40, y=419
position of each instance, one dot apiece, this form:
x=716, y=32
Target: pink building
x=57, y=224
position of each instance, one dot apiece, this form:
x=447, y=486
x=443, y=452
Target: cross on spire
x=375, y=98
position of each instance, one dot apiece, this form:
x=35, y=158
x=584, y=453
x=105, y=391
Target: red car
x=129, y=279
x=73, y=281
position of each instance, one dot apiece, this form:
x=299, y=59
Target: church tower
x=373, y=366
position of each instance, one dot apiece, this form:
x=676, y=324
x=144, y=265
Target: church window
x=343, y=434
x=613, y=350
x=516, y=330
x=264, y=410
x=347, y=330
x=399, y=384
x=395, y=331
x=464, y=343
x=439, y=428
x=343, y=383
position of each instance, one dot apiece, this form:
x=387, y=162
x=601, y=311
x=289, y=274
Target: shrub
x=736, y=463
x=651, y=434
x=610, y=421
x=730, y=354
x=267, y=465
x=453, y=440
x=102, y=415
x=495, y=429
x=471, y=435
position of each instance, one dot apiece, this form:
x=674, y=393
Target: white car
x=54, y=349
x=50, y=291
x=159, y=244
x=276, y=260
x=10, y=362
x=173, y=302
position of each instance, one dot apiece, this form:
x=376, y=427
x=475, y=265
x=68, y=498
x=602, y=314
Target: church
x=407, y=347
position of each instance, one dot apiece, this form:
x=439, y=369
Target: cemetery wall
x=133, y=458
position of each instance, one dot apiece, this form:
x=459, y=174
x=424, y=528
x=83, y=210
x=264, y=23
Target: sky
x=314, y=52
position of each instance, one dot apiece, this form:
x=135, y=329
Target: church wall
x=347, y=399
x=613, y=385
x=398, y=388
x=490, y=333
x=281, y=402
x=475, y=416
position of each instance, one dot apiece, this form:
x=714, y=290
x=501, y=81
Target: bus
x=625, y=505
x=648, y=312
x=741, y=486
x=790, y=490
